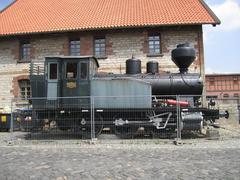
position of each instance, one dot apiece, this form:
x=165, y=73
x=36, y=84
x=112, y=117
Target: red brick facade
x=223, y=85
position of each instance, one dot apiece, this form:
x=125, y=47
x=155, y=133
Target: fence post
x=178, y=119
x=238, y=109
x=11, y=121
x=92, y=118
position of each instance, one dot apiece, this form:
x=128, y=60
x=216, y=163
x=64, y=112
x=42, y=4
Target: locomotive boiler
x=70, y=92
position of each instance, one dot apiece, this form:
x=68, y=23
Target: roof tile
x=34, y=16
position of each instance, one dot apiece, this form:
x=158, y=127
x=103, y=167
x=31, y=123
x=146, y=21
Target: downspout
x=201, y=62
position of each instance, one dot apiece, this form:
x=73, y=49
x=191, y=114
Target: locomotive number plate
x=4, y=119
x=71, y=85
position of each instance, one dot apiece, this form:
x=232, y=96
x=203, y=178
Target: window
x=74, y=47
x=235, y=80
x=211, y=81
x=25, y=51
x=236, y=95
x=71, y=70
x=100, y=47
x=212, y=97
x=24, y=88
x=154, y=44
x=226, y=95
x=92, y=68
x=53, y=71
x=84, y=71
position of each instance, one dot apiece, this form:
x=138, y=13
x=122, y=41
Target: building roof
x=222, y=74
x=44, y=16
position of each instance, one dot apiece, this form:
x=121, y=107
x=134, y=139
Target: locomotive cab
x=69, y=76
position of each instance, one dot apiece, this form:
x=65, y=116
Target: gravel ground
x=110, y=158
x=131, y=162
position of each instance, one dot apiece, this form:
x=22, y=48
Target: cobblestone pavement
x=133, y=159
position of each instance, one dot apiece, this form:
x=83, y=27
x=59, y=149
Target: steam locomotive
x=70, y=92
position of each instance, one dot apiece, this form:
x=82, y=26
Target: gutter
x=212, y=14
x=65, y=30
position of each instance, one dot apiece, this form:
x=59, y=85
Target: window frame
x=72, y=47
x=86, y=71
x=49, y=73
x=100, y=55
x=236, y=95
x=154, y=44
x=226, y=95
x=65, y=73
x=24, y=83
x=25, y=49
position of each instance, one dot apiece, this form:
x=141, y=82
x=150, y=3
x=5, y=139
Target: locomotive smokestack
x=183, y=56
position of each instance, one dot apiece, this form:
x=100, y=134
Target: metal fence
x=232, y=105
x=137, y=117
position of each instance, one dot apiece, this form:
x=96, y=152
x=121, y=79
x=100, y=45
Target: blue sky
x=3, y=3
x=221, y=43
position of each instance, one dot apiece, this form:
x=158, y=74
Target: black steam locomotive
x=70, y=92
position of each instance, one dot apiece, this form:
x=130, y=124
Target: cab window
x=53, y=71
x=92, y=68
x=71, y=70
x=84, y=71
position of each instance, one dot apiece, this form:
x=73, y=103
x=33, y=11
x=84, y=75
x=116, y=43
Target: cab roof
x=73, y=58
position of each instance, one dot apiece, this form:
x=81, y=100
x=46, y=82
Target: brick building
x=223, y=86
x=111, y=30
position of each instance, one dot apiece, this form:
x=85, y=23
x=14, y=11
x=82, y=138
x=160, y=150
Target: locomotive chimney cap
x=183, y=56
x=183, y=45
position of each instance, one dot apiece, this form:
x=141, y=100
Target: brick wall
x=125, y=45
x=120, y=45
x=8, y=70
x=223, y=85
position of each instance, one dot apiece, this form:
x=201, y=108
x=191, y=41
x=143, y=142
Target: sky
x=3, y=3
x=221, y=43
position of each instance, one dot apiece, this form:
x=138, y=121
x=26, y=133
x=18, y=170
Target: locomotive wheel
x=65, y=125
x=36, y=123
x=125, y=132
x=86, y=130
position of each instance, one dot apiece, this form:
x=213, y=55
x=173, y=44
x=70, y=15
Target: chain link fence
x=232, y=105
x=138, y=117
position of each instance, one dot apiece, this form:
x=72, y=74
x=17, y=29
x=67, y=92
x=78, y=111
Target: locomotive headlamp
x=198, y=103
x=212, y=102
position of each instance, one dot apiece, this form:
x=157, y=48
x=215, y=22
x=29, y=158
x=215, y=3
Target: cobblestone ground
x=132, y=159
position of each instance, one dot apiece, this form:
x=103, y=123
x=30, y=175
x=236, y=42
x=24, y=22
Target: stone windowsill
x=155, y=55
x=101, y=57
x=23, y=61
